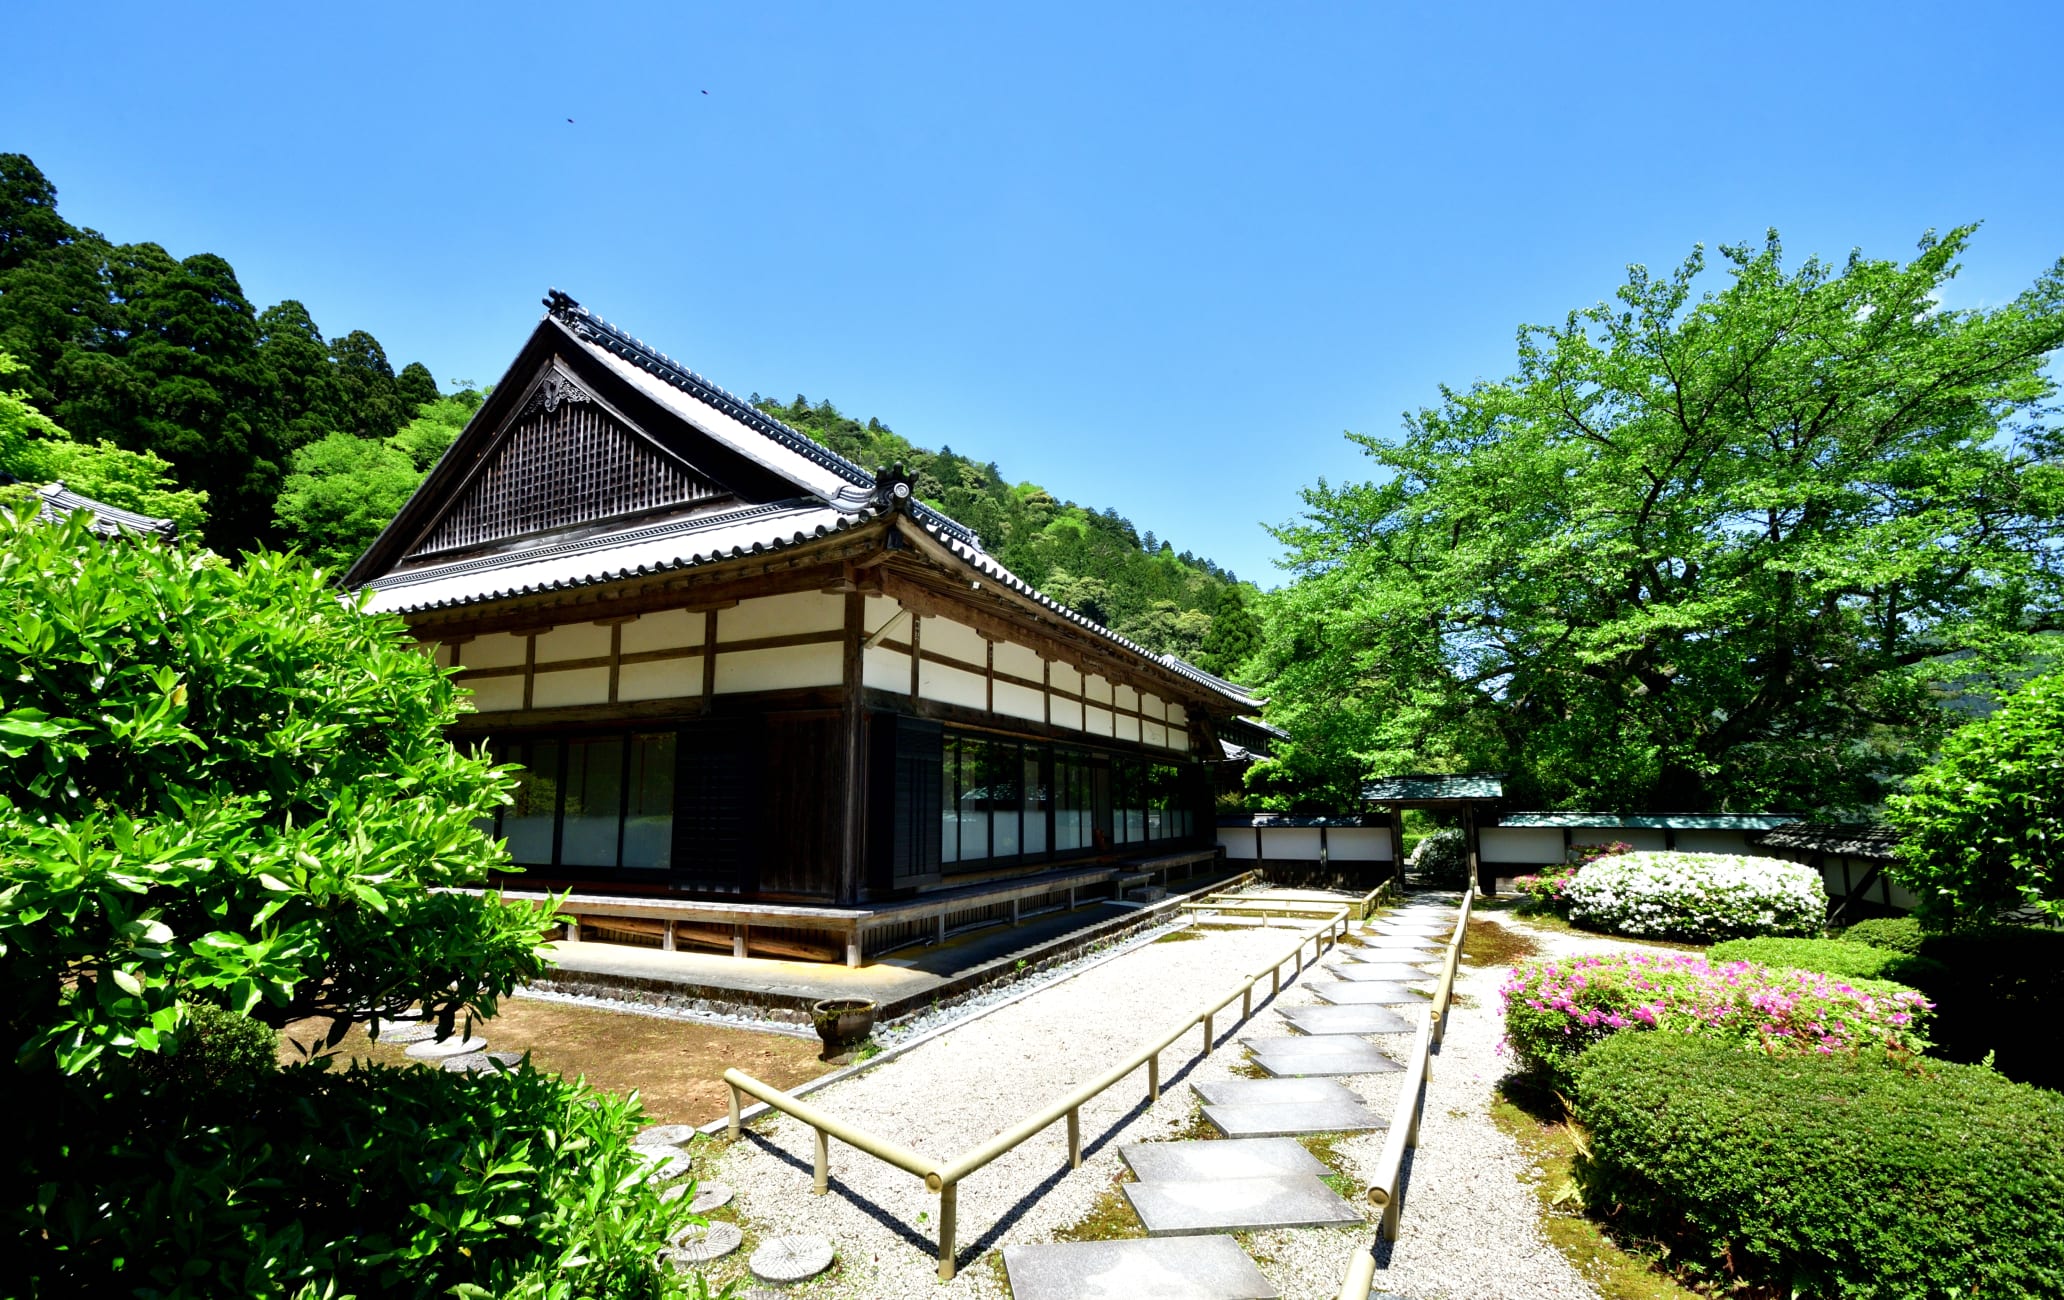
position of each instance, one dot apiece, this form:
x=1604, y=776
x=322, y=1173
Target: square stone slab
x=1198, y=1268
x=1191, y=1162
x=1394, y=972
x=1282, y=1119
x=1238, y=1205
x=1320, y=1057
x=1395, y=943
x=1442, y=932
x=1346, y=1020
x=1236, y=1092
x=1364, y=993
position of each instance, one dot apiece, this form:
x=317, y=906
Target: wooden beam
x=853, y=727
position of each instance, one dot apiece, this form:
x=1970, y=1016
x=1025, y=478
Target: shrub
x=1996, y=988
x=1897, y=933
x=215, y=1049
x=1696, y=896
x=1827, y=1176
x=1441, y=859
x=1982, y=828
x=1829, y=957
x=1556, y=1009
x=1545, y=891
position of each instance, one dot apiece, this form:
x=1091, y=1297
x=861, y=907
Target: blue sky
x=1156, y=257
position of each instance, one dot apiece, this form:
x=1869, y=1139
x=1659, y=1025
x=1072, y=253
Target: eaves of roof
x=1658, y=821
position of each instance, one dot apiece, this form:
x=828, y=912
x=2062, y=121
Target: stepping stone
x=1190, y=1162
x=438, y=1049
x=1390, y=971
x=404, y=1032
x=1320, y=1056
x=483, y=1062
x=710, y=1196
x=1346, y=1020
x=791, y=1259
x=1197, y=1268
x=699, y=1243
x=1391, y=943
x=1238, y=1205
x=1423, y=932
x=664, y=1135
x=665, y=1168
x=1282, y=1119
x=1235, y=1092
x=1345, y=993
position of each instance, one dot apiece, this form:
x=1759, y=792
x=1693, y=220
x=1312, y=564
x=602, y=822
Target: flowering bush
x=1441, y=859
x=1546, y=891
x=1558, y=1007
x=1699, y=896
x=1584, y=854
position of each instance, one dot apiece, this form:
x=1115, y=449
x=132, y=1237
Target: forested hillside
x=124, y=353
x=1094, y=561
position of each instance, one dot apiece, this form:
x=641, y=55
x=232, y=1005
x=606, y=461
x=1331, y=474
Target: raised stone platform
x=1198, y=1268
x=1238, y=1205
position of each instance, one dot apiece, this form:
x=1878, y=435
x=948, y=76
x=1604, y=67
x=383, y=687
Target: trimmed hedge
x=1898, y=933
x=1696, y=896
x=1827, y=1176
x=1856, y=961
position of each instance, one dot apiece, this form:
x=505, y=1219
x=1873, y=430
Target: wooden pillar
x=1397, y=845
x=853, y=732
x=1479, y=870
x=738, y=945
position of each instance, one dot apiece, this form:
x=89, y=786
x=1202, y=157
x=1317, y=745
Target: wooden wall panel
x=716, y=802
x=803, y=785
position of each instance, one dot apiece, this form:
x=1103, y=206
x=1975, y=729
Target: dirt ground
x=676, y=1066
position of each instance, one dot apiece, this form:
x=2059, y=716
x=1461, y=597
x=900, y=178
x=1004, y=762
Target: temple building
x=748, y=679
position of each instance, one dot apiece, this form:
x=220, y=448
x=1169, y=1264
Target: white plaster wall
x=1127, y=699
x=572, y=641
x=1019, y=661
x=785, y=668
x=1020, y=702
x=943, y=636
x=1290, y=842
x=1066, y=677
x=1067, y=713
x=662, y=679
x=1154, y=707
x=1713, y=841
x=1238, y=842
x=501, y=650
x=441, y=653
x=876, y=611
x=1128, y=727
x=1357, y=844
x=1179, y=739
x=1530, y=845
x=786, y=615
x=885, y=670
x=494, y=694
x=1096, y=721
x=1177, y=715
x=1153, y=733
x=1097, y=689
x=573, y=686
x=669, y=629
x=950, y=685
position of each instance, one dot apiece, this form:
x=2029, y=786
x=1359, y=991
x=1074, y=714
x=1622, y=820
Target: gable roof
x=791, y=490
x=1837, y=839
x=59, y=501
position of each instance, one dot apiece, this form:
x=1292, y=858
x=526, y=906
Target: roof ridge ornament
x=892, y=489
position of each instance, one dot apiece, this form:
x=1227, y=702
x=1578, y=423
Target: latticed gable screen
x=564, y=463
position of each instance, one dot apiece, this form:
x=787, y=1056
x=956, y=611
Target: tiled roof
x=106, y=520
x=1655, y=822
x=611, y=557
x=1842, y=840
x=1413, y=789
x=1234, y=821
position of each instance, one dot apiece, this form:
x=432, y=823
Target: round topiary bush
x=1556, y=1009
x=1899, y=933
x=1696, y=896
x=1441, y=859
x=1826, y=1175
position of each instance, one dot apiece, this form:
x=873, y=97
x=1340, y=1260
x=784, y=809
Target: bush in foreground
x=1827, y=1176
x=1559, y=1008
x=1696, y=896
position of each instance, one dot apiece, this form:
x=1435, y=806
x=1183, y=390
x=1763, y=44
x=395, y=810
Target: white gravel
x=1470, y=1217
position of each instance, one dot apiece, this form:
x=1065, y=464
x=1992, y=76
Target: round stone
x=664, y=1135
x=465, y=1062
x=791, y=1259
x=437, y=1050
x=404, y=1032
x=661, y=1169
x=699, y=1243
x=710, y=1196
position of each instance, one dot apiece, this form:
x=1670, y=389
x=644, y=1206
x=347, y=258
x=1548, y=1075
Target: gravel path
x=1469, y=1222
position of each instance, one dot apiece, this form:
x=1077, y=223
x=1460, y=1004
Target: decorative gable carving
x=564, y=460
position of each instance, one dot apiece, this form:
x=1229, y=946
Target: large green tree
x=1708, y=548
x=35, y=451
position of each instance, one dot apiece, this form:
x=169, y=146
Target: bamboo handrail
x=945, y=1178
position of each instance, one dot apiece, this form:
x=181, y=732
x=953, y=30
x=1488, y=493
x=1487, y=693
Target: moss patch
x=1181, y=936
x=1109, y=1219
x=1487, y=943
x=1533, y=1119
x=1324, y=1149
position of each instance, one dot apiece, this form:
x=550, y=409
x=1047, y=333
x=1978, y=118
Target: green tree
x=308, y=400
x=1982, y=827
x=416, y=386
x=1726, y=549
x=1234, y=636
x=35, y=451
x=344, y=489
